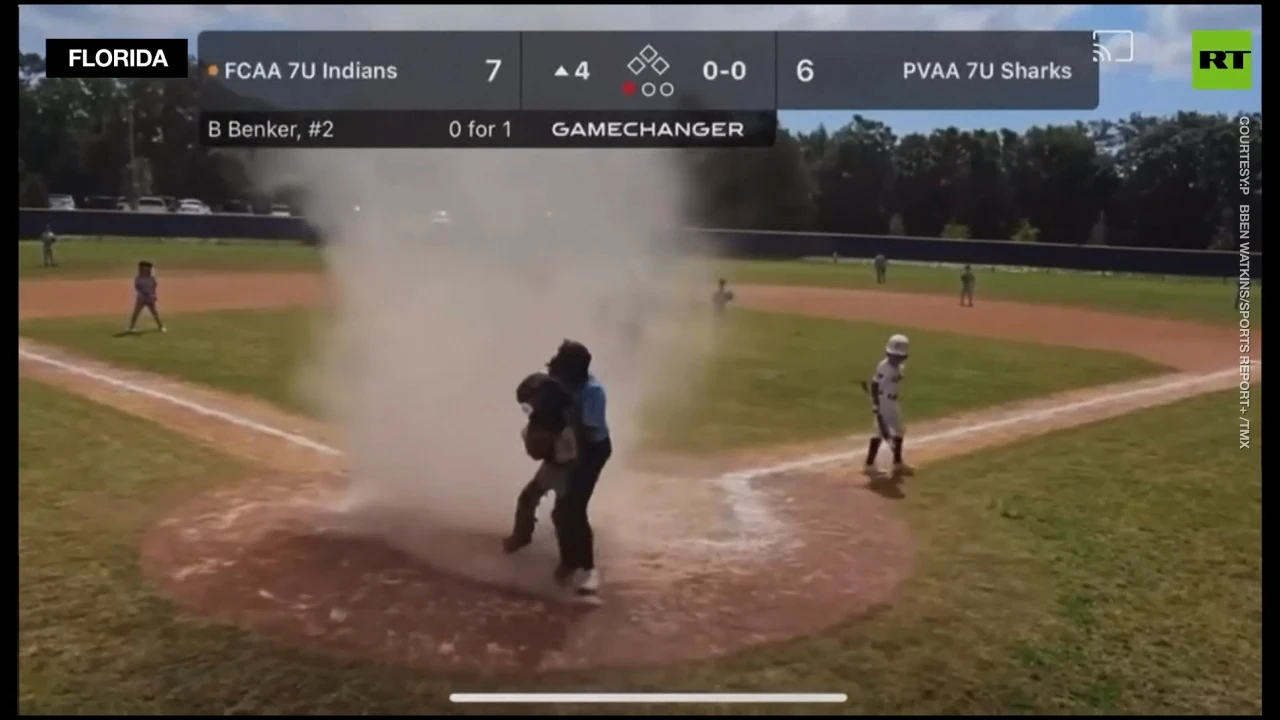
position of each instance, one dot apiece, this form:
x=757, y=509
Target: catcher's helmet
x=898, y=345
x=545, y=400
x=527, y=390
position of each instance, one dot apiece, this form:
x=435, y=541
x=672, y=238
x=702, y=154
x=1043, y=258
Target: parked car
x=62, y=202
x=192, y=206
x=101, y=202
x=278, y=210
x=123, y=204
x=152, y=204
x=237, y=206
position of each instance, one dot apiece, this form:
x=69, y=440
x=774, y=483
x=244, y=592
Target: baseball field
x=1083, y=534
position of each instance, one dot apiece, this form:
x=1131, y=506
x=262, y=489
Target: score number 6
x=804, y=70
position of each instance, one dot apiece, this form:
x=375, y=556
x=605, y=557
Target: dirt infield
x=688, y=584
x=226, y=554
x=82, y=298
x=1184, y=345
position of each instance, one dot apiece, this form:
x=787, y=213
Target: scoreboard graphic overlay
x=610, y=89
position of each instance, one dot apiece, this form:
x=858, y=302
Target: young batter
x=883, y=390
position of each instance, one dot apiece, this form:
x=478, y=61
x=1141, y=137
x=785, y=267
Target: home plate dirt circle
x=267, y=555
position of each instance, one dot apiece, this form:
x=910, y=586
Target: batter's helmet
x=897, y=345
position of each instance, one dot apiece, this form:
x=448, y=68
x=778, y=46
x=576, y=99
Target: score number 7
x=496, y=65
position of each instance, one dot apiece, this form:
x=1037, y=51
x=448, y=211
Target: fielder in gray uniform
x=144, y=287
x=47, y=239
x=721, y=298
x=967, y=281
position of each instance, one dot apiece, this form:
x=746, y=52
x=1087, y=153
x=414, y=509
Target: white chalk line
x=757, y=524
x=195, y=407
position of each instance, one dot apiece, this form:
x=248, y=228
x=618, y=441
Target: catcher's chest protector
x=549, y=404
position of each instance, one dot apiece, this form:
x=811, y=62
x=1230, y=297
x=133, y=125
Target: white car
x=62, y=202
x=281, y=211
x=441, y=217
x=191, y=206
x=152, y=205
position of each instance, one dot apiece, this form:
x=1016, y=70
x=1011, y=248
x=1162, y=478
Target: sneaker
x=587, y=582
x=870, y=470
x=513, y=543
x=903, y=469
x=164, y=329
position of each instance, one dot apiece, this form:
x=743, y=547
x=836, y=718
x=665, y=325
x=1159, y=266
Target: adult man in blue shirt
x=572, y=367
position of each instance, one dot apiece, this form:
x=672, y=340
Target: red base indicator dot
x=628, y=88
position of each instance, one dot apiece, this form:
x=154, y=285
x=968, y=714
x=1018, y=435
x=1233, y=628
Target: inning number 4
x=496, y=65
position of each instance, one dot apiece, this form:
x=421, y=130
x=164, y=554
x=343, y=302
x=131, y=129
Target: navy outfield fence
x=728, y=243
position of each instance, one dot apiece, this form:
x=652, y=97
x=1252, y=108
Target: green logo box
x=1221, y=60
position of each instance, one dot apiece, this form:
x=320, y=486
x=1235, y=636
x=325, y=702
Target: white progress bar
x=797, y=698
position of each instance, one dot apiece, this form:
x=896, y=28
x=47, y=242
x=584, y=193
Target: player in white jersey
x=884, y=389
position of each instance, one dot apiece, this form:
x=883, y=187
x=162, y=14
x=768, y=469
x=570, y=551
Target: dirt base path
x=1184, y=345
x=177, y=293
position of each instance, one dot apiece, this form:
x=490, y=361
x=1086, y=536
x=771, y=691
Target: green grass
x=1113, y=569
x=1197, y=299
x=85, y=258
x=775, y=378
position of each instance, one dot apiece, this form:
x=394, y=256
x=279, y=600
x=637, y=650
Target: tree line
x=1140, y=181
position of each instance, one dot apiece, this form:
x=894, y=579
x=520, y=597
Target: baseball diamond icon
x=648, y=58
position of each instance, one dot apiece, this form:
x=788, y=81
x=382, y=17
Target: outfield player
x=884, y=389
x=882, y=268
x=144, y=288
x=721, y=298
x=47, y=239
x=967, y=281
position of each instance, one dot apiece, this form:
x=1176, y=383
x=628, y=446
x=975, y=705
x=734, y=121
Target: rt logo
x=1221, y=60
